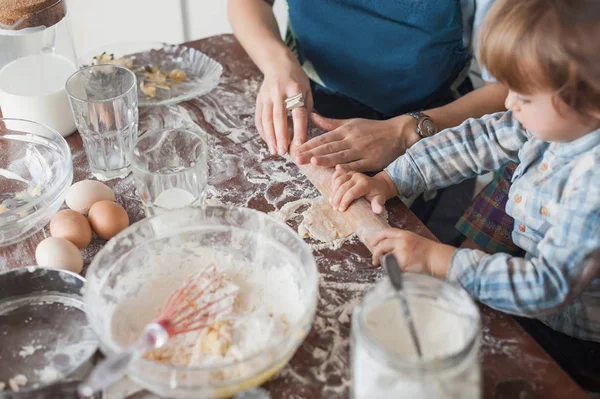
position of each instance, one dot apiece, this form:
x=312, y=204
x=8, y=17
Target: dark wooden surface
x=514, y=366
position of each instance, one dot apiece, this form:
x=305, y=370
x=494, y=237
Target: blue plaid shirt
x=555, y=201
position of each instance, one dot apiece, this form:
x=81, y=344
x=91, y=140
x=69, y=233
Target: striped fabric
x=555, y=202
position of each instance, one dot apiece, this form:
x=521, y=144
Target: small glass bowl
x=36, y=171
x=160, y=248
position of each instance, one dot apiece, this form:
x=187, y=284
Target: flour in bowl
x=266, y=303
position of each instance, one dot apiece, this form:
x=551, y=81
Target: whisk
x=201, y=300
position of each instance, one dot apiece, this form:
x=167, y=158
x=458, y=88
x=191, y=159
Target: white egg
x=59, y=253
x=82, y=195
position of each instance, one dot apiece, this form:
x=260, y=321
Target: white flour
x=267, y=304
x=29, y=350
x=441, y=334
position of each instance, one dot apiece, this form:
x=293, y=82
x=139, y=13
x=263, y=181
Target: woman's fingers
x=300, y=119
x=280, y=123
x=321, y=145
x=267, y=121
x=258, y=118
x=326, y=123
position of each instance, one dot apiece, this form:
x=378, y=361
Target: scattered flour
x=17, y=382
x=48, y=374
x=29, y=350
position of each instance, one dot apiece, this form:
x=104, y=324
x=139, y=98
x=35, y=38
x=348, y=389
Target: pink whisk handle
x=112, y=369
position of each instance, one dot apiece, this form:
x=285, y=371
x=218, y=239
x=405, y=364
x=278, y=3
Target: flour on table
x=29, y=350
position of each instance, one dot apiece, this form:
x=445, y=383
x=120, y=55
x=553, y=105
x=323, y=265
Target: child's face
x=538, y=114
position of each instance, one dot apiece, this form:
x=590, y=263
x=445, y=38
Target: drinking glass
x=105, y=105
x=170, y=168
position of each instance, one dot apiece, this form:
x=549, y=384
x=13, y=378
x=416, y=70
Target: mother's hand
x=285, y=80
x=359, y=144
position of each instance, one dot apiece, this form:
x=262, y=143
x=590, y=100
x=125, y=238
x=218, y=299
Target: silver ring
x=294, y=102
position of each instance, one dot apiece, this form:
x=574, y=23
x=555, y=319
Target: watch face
x=428, y=127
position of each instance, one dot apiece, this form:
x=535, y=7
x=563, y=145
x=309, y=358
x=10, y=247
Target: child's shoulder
x=585, y=172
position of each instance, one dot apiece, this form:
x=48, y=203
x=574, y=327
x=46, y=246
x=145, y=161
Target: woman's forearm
x=255, y=27
x=485, y=100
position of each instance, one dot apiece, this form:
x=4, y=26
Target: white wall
x=99, y=22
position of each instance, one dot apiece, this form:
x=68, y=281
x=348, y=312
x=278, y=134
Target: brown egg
x=71, y=226
x=108, y=219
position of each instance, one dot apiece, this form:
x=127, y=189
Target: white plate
x=203, y=73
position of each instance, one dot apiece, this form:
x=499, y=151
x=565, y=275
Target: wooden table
x=243, y=173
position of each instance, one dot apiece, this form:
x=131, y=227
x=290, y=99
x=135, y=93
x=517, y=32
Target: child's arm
x=538, y=284
x=453, y=155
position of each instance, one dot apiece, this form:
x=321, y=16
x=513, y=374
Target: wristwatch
x=425, y=125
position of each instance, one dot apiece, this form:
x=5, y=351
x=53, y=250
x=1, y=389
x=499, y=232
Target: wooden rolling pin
x=359, y=215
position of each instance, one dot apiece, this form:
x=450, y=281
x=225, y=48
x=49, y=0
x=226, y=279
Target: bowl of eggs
x=70, y=229
x=35, y=173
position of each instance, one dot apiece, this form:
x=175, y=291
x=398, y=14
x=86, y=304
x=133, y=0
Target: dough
x=320, y=222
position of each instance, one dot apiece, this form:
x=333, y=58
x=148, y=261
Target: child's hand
x=346, y=186
x=414, y=253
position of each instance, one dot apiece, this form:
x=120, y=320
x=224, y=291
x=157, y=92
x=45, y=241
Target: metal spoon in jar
x=395, y=274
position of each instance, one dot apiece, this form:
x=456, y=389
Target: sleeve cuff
x=463, y=268
x=406, y=176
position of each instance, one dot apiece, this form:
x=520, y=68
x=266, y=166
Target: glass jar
x=37, y=56
x=384, y=361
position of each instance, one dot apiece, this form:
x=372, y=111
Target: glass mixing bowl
x=161, y=247
x=35, y=173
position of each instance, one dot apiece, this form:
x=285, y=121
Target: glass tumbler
x=170, y=168
x=105, y=106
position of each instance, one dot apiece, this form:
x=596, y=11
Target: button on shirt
x=555, y=201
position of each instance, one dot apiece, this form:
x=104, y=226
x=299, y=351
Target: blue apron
x=390, y=55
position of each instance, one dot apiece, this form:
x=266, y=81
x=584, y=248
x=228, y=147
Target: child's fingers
x=387, y=233
x=335, y=185
x=338, y=172
x=383, y=247
x=353, y=193
x=377, y=204
x=340, y=192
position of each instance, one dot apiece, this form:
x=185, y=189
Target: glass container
x=170, y=168
x=384, y=361
x=36, y=172
x=105, y=106
x=36, y=58
x=176, y=242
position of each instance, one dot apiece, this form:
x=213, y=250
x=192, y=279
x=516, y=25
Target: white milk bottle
x=36, y=58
